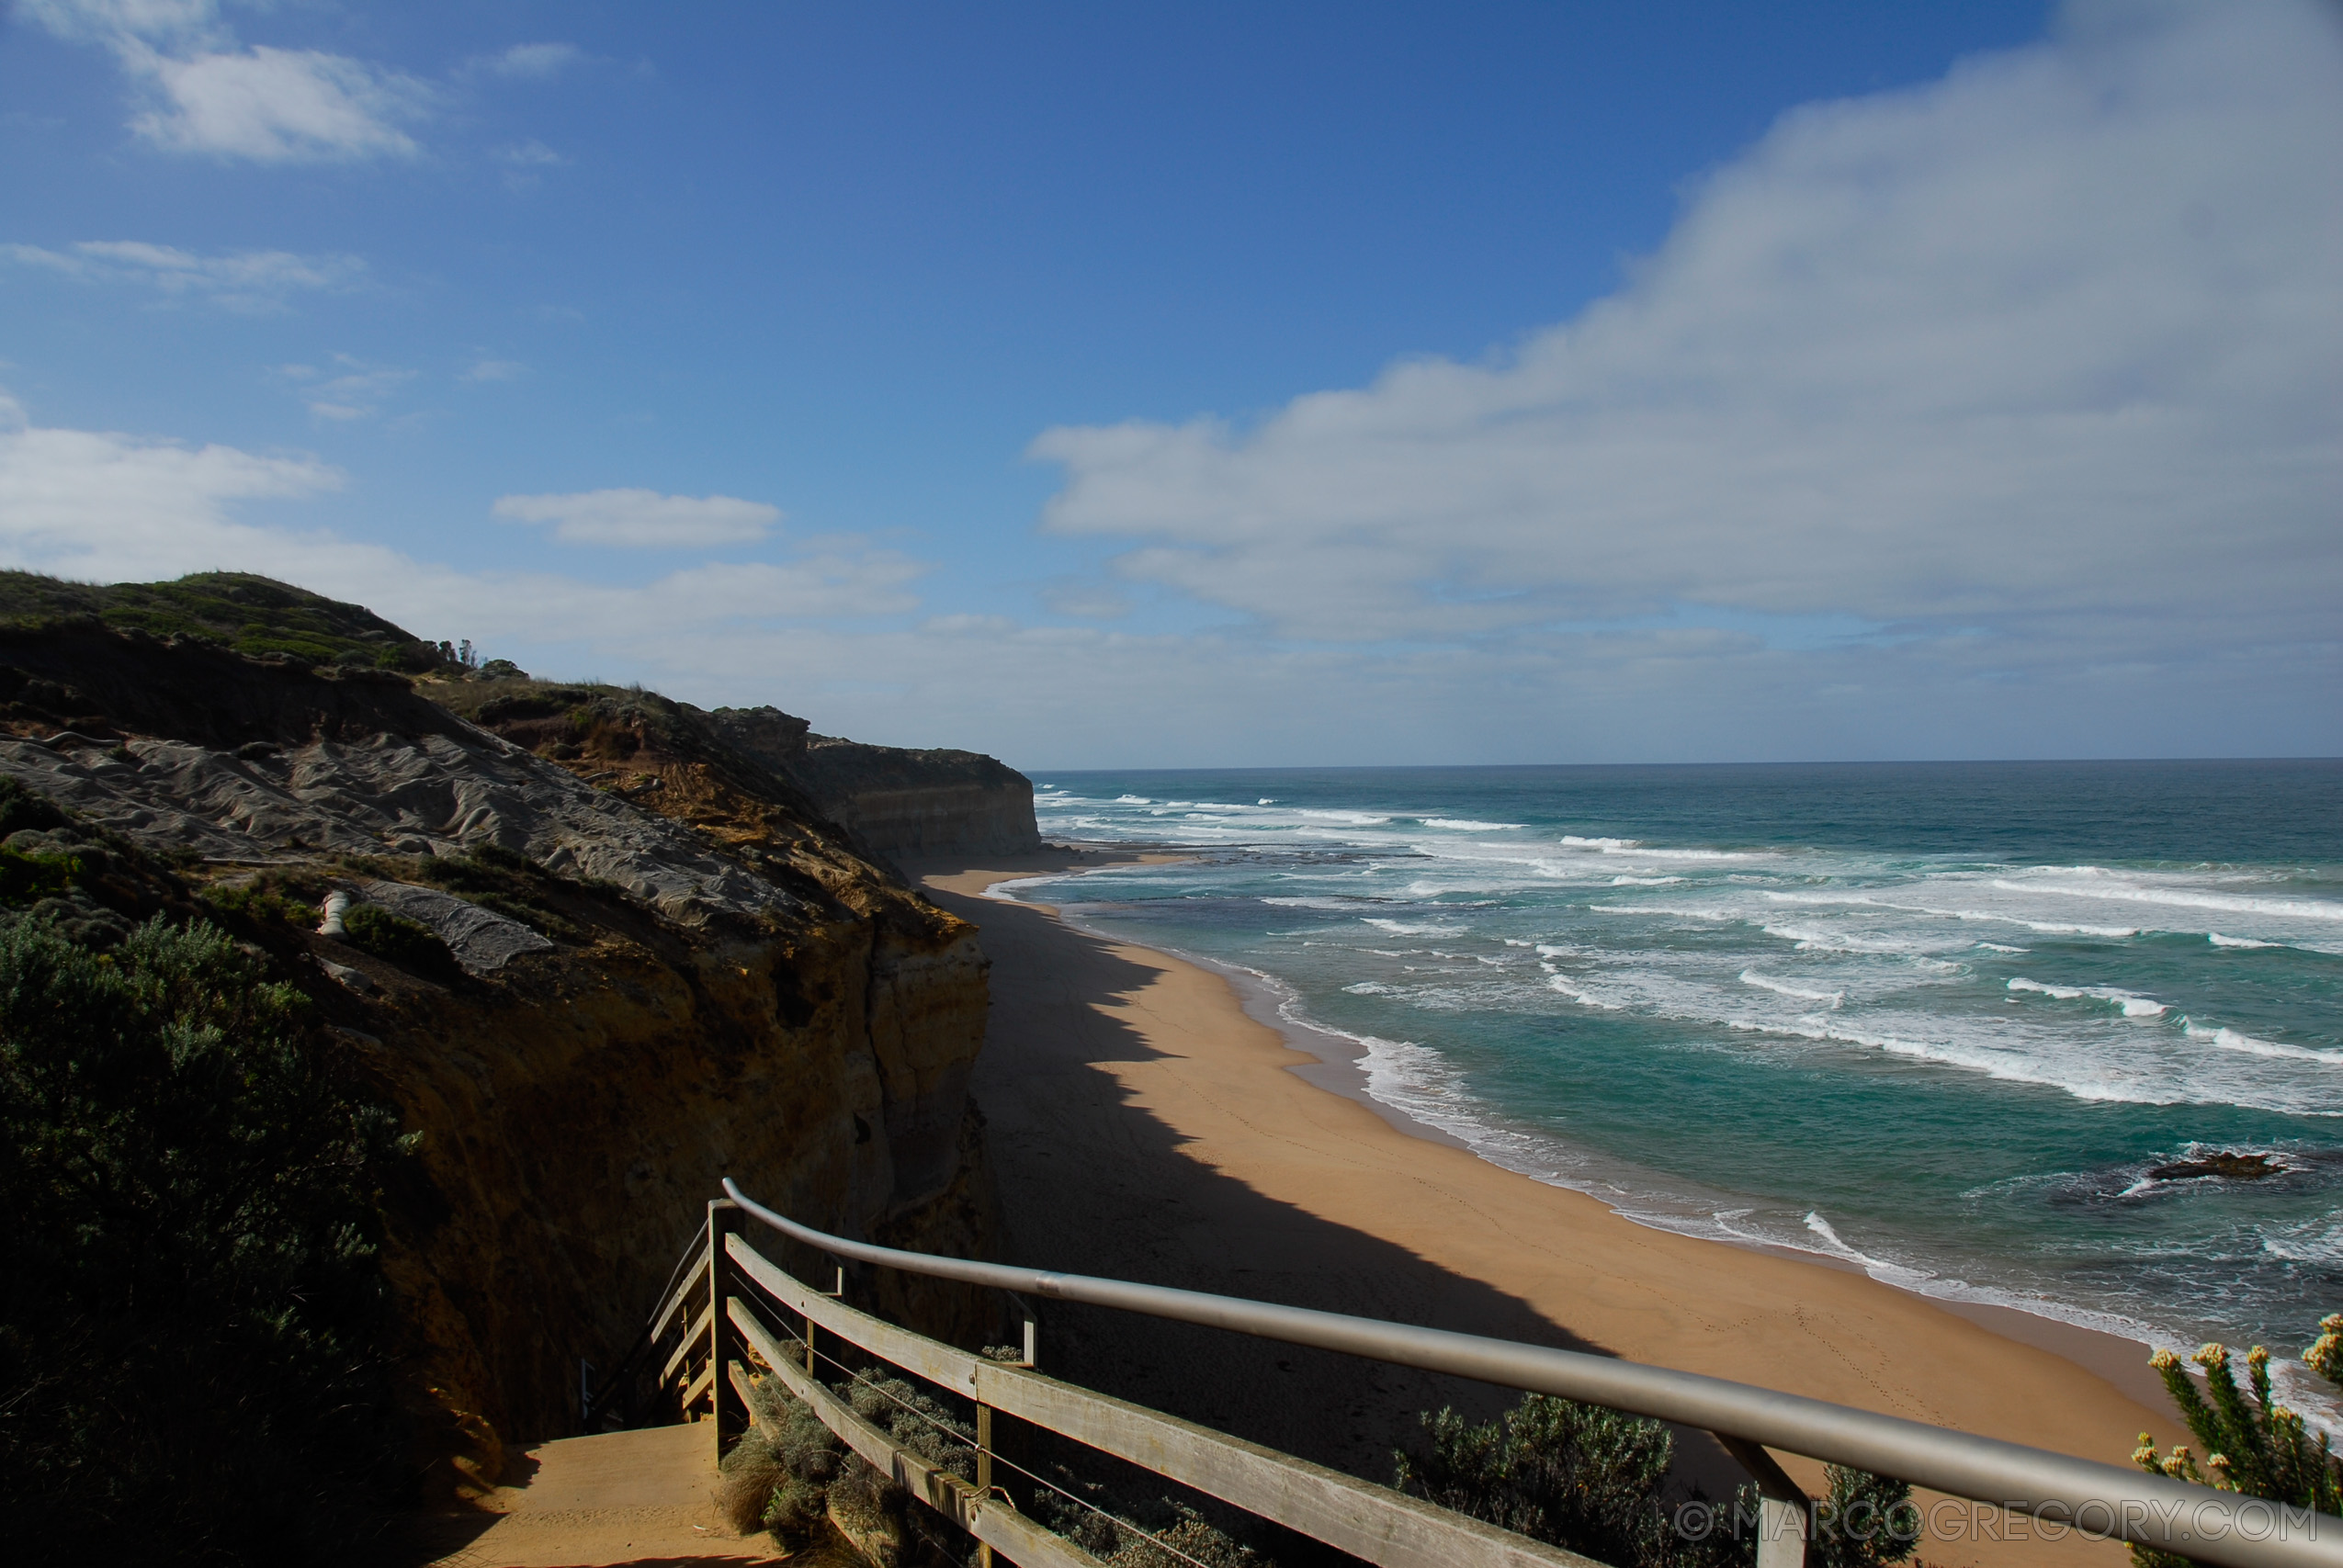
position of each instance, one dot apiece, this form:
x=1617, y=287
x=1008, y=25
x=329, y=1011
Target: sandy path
x=1143, y=1126
x=639, y=1499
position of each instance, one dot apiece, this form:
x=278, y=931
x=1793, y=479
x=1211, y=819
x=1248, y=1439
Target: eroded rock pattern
x=690, y=974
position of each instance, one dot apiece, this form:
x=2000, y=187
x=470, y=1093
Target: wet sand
x=1144, y=1125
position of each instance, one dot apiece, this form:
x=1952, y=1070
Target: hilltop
x=238, y=609
x=889, y=801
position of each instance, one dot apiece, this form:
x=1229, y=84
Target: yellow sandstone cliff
x=669, y=967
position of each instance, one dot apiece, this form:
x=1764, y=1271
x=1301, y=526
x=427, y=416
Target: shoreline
x=1335, y=1066
x=1146, y=1124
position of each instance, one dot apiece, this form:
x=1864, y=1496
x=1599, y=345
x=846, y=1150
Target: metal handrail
x=2222, y=1527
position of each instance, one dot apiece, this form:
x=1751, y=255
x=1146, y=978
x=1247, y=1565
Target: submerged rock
x=2222, y=1162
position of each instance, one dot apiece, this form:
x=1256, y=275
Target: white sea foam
x=2132, y=1003
x=1006, y=892
x=1342, y=905
x=2312, y=1241
x=1670, y=952
x=1578, y=992
x=1667, y=911
x=2055, y=928
x=1819, y=939
x=1783, y=987
x=2085, y=885
x=1878, y=1268
x=2231, y=1039
x=1401, y=927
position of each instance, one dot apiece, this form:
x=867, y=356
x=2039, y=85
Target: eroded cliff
x=669, y=969
x=907, y=803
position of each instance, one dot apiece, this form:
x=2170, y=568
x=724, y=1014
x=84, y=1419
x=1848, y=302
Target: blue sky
x=1224, y=384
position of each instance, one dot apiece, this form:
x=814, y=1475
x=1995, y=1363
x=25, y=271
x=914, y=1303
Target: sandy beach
x=1144, y=1125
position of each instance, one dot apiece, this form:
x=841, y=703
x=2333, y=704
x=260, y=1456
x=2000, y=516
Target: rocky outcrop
x=669, y=969
x=905, y=804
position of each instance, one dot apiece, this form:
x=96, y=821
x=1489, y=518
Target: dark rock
x=2233, y=1167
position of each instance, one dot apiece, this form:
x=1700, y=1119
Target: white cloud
x=534, y=61
x=825, y=633
x=525, y=162
x=206, y=94
x=530, y=154
x=1087, y=600
x=643, y=519
x=351, y=389
x=279, y=105
x=236, y=281
x=2051, y=350
x=103, y=506
x=487, y=370
x=1994, y=418
x=99, y=504
x=102, y=21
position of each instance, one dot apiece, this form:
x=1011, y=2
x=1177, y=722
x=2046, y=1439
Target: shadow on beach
x=1092, y=1183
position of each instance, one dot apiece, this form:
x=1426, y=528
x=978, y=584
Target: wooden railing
x=732, y=1317
x=773, y=1325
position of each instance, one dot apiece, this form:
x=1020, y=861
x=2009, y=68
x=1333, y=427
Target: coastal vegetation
x=251, y=614
x=789, y=1475
x=2251, y=1443
x=1597, y=1482
x=192, y=1308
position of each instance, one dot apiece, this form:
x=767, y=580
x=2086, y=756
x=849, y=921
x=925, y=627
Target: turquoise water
x=1940, y=1019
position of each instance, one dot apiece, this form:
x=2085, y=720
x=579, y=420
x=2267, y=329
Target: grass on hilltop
x=240, y=610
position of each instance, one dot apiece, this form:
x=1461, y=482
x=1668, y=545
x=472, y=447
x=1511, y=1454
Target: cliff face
x=907, y=803
x=672, y=970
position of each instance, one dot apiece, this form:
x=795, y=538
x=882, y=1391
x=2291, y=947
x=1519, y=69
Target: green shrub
x=1863, y=1521
x=269, y=897
x=495, y=878
x=192, y=1310
x=1124, y=1532
x=1595, y=1481
x=916, y=1420
x=1579, y=1476
x=778, y=1476
x=394, y=938
x=21, y=808
x=2253, y=1445
x=26, y=878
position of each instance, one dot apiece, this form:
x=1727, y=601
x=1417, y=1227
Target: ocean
x=1946, y=1022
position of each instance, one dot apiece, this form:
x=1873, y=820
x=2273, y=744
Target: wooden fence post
x=984, y=1473
x=730, y=1416
x=1785, y=1519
